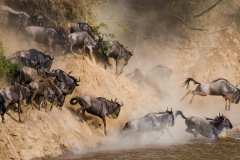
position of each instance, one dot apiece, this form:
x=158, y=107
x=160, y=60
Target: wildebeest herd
x=78, y=36
x=36, y=83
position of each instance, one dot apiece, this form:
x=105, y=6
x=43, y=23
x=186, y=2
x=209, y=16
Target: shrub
x=7, y=68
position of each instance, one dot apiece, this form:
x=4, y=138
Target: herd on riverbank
x=36, y=83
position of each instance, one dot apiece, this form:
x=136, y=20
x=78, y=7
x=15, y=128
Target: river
x=224, y=149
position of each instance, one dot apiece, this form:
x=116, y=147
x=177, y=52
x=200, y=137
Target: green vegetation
x=7, y=68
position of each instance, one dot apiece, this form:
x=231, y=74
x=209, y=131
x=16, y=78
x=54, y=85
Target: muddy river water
x=224, y=149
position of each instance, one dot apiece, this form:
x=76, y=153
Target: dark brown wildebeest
x=66, y=82
x=26, y=75
x=99, y=106
x=15, y=94
x=120, y=54
x=153, y=121
x=35, y=59
x=46, y=90
x=218, y=87
x=207, y=127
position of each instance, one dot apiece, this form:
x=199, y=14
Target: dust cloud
x=157, y=37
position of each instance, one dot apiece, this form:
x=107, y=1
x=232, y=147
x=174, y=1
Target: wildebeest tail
x=181, y=114
x=79, y=100
x=188, y=80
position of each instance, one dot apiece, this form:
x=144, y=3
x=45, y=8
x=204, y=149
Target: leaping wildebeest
x=12, y=95
x=153, y=121
x=208, y=127
x=98, y=106
x=218, y=87
x=120, y=54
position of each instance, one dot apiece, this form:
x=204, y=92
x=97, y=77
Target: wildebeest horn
x=115, y=100
x=171, y=109
x=51, y=57
x=78, y=80
x=70, y=72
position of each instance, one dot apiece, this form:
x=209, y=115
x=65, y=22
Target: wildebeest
x=218, y=87
x=26, y=75
x=64, y=81
x=48, y=36
x=98, y=106
x=84, y=40
x=207, y=127
x=16, y=19
x=12, y=95
x=35, y=59
x=45, y=90
x=120, y=54
x=153, y=121
x=82, y=27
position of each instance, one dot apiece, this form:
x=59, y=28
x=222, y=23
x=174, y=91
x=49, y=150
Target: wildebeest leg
x=105, y=126
x=71, y=47
x=229, y=105
x=33, y=100
x=2, y=115
x=91, y=55
x=189, y=130
x=188, y=92
x=3, y=110
x=51, y=44
x=117, y=63
x=83, y=114
x=191, y=100
x=19, y=112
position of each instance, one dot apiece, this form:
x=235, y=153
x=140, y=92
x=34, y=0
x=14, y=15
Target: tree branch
x=208, y=9
x=187, y=25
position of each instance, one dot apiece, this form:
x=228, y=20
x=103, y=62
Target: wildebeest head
x=236, y=96
x=169, y=117
x=116, y=108
x=65, y=81
x=221, y=122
